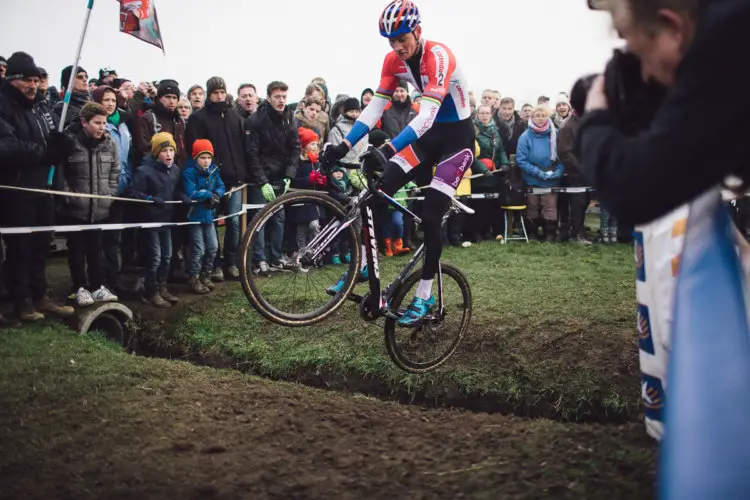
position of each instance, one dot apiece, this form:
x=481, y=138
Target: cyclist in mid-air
x=441, y=134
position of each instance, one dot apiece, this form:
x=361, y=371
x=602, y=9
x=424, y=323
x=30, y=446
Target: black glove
x=504, y=168
x=158, y=200
x=59, y=147
x=377, y=158
x=215, y=200
x=332, y=154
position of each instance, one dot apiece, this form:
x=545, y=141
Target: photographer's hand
x=596, y=98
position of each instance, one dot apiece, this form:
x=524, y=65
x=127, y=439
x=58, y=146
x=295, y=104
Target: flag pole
x=69, y=88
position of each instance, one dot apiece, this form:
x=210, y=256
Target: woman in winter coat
x=308, y=114
x=488, y=221
x=537, y=158
x=399, y=113
x=119, y=123
x=343, y=126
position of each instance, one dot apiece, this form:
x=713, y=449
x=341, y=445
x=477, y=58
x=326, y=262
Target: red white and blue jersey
x=445, y=94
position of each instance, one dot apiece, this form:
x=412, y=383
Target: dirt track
x=185, y=432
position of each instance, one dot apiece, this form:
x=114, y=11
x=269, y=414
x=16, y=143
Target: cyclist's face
x=405, y=46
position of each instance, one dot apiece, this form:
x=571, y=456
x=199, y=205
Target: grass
x=552, y=335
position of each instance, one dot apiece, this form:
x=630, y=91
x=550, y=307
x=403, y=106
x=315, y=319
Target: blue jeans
x=394, y=226
x=232, y=233
x=272, y=234
x=608, y=223
x=204, y=245
x=160, y=255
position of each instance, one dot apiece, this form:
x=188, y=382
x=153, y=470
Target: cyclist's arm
x=372, y=113
x=432, y=97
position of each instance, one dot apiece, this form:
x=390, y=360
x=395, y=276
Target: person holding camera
x=649, y=147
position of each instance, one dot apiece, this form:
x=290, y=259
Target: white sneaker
x=84, y=298
x=104, y=295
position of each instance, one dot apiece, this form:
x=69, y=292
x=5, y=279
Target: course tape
x=245, y=208
x=491, y=196
x=103, y=197
x=115, y=227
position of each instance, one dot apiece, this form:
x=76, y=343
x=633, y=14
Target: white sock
x=363, y=259
x=424, y=289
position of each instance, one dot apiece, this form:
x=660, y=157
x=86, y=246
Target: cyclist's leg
x=455, y=142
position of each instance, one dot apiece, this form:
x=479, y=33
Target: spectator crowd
x=148, y=152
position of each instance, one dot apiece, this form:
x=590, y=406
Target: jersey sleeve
x=372, y=113
x=439, y=66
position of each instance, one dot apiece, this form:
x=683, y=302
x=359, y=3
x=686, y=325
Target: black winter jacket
x=151, y=179
x=44, y=107
x=681, y=154
x=397, y=117
x=220, y=124
x=272, y=145
x=23, y=143
x=159, y=119
x=92, y=168
x=510, y=140
x=77, y=101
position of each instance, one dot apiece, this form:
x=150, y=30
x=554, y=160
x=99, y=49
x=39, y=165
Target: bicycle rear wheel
x=425, y=347
x=295, y=293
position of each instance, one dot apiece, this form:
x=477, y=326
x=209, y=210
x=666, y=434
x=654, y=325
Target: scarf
x=114, y=118
x=548, y=128
x=511, y=124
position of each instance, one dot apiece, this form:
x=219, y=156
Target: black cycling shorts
x=449, y=147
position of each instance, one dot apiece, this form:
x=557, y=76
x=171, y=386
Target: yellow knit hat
x=160, y=141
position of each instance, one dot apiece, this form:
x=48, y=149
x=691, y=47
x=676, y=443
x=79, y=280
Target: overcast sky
x=523, y=48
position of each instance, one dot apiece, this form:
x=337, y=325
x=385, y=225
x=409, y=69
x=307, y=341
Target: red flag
x=138, y=18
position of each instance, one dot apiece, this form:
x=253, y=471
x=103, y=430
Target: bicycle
x=339, y=229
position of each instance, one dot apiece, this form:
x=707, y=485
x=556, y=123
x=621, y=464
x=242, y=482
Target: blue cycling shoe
x=417, y=310
x=341, y=283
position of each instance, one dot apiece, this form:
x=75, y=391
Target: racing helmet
x=398, y=18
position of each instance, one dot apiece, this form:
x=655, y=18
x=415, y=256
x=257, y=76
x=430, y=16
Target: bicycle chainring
x=365, y=311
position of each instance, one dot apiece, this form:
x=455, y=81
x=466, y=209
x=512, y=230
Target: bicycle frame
x=360, y=206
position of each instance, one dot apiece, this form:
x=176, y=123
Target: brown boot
x=156, y=300
x=196, y=286
x=399, y=248
x=388, y=247
x=27, y=313
x=206, y=281
x=166, y=295
x=45, y=305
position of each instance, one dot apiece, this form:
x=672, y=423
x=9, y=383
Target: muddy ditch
x=150, y=338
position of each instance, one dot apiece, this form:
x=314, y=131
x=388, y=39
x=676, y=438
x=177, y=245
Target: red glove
x=317, y=178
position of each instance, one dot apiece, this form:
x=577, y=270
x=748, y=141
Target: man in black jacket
x=27, y=149
x=691, y=47
x=510, y=124
x=222, y=125
x=273, y=148
x=78, y=98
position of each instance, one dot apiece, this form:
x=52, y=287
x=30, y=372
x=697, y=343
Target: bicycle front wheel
x=425, y=347
x=321, y=251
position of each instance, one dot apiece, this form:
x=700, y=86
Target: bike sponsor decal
x=370, y=235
